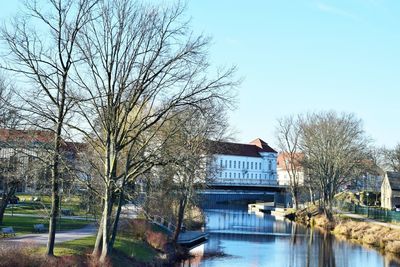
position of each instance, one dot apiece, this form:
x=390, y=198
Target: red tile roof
x=253, y=149
x=25, y=137
x=10, y=135
x=297, y=158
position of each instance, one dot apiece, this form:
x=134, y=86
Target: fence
x=373, y=213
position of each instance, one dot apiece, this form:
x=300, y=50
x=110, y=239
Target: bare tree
x=391, y=158
x=9, y=118
x=42, y=44
x=288, y=135
x=9, y=115
x=190, y=162
x=335, y=151
x=139, y=62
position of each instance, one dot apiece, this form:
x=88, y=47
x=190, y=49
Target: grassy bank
x=381, y=237
x=365, y=233
x=138, y=243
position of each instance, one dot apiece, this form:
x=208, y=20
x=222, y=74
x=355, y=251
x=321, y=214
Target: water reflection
x=238, y=238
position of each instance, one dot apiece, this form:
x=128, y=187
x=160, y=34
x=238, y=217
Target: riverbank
x=359, y=230
x=138, y=243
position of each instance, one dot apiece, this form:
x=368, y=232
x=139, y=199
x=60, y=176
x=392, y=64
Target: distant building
x=244, y=164
x=23, y=156
x=390, y=190
x=284, y=166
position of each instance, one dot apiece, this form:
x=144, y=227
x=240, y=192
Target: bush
x=138, y=228
x=393, y=246
x=157, y=240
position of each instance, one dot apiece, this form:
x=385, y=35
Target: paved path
x=365, y=219
x=79, y=218
x=41, y=239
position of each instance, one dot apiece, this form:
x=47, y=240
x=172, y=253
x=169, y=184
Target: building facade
x=252, y=164
x=390, y=190
x=25, y=158
x=285, y=166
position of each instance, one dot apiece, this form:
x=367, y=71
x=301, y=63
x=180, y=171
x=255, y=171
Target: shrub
x=138, y=228
x=157, y=240
x=393, y=246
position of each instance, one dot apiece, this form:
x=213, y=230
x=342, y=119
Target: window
x=230, y=175
x=265, y=176
x=226, y=163
x=234, y=164
x=225, y=175
x=234, y=175
x=259, y=176
x=238, y=164
x=247, y=176
x=230, y=164
x=259, y=166
x=221, y=163
x=251, y=176
x=247, y=165
x=239, y=175
x=269, y=165
x=220, y=175
x=251, y=166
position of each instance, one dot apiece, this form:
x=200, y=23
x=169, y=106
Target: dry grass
x=369, y=234
x=393, y=246
x=22, y=256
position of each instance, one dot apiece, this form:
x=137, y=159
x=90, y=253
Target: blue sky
x=299, y=56
x=305, y=55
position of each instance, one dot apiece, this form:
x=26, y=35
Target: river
x=239, y=238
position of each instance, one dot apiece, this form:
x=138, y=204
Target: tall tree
x=41, y=43
x=190, y=163
x=139, y=62
x=288, y=135
x=335, y=151
x=391, y=158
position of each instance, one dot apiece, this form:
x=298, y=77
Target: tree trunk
x=3, y=206
x=115, y=226
x=311, y=195
x=295, y=199
x=4, y=201
x=99, y=240
x=181, y=213
x=55, y=198
x=106, y=225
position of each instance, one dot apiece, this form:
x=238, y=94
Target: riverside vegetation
x=383, y=238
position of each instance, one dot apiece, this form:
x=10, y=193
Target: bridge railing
x=233, y=181
x=162, y=222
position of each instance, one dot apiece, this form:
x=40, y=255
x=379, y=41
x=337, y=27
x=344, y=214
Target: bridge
x=227, y=195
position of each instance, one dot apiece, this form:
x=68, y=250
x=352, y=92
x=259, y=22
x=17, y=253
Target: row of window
x=243, y=164
x=239, y=175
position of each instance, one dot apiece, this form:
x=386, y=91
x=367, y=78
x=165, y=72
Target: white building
x=244, y=164
x=284, y=166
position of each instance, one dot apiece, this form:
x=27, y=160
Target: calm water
x=238, y=238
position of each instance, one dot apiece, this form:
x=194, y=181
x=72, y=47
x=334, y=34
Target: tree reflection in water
x=326, y=252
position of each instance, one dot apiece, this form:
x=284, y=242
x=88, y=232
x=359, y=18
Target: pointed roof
x=253, y=149
x=394, y=180
x=260, y=143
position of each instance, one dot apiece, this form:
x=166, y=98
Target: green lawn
x=24, y=225
x=28, y=206
x=133, y=248
x=137, y=249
